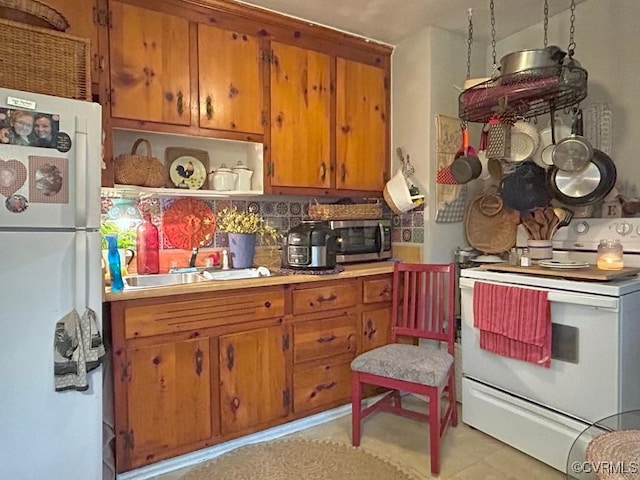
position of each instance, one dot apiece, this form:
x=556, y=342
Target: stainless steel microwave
x=362, y=240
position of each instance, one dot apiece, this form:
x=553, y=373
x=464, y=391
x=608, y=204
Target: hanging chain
x=493, y=35
x=546, y=22
x=572, y=44
x=469, y=42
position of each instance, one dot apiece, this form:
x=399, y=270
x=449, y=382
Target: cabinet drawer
x=319, y=299
x=321, y=385
x=203, y=312
x=378, y=290
x=315, y=339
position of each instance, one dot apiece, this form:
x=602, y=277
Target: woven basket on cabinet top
x=41, y=60
x=141, y=170
x=33, y=13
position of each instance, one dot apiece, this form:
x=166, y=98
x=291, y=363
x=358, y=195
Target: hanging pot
x=525, y=188
x=586, y=186
x=539, y=62
x=574, y=152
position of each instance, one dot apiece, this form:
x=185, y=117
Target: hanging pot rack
x=526, y=93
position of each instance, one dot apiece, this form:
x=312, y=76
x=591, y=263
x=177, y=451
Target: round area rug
x=297, y=459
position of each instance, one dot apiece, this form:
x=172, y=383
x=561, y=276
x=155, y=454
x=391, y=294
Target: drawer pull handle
x=325, y=386
x=235, y=403
x=330, y=298
x=267, y=304
x=198, y=357
x=230, y=359
x=370, y=331
x=328, y=339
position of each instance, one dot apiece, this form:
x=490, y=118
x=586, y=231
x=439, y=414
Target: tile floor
x=467, y=454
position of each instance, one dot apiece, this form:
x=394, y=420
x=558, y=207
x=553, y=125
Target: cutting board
x=588, y=273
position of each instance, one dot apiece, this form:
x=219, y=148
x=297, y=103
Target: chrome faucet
x=194, y=254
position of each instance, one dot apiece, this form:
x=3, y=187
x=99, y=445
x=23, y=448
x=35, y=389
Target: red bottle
x=147, y=247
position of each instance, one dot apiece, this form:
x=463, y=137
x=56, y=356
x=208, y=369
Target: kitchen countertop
x=350, y=271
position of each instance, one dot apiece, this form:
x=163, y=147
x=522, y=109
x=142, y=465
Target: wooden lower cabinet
x=194, y=370
x=168, y=398
x=253, y=387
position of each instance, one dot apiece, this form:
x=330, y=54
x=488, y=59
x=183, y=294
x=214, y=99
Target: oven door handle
x=558, y=296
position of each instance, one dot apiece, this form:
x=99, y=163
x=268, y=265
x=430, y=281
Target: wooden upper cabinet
x=361, y=126
x=149, y=62
x=82, y=16
x=168, y=398
x=300, y=117
x=253, y=384
x=230, y=77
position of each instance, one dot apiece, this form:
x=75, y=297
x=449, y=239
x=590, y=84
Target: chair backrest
x=424, y=302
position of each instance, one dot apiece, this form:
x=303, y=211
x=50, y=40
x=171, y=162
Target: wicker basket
x=141, y=170
x=34, y=13
x=42, y=60
x=324, y=211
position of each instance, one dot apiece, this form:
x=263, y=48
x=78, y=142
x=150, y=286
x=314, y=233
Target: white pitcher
x=244, y=177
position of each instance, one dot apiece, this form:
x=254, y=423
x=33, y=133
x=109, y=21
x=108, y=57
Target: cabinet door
x=252, y=379
x=375, y=328
x=82, y=16
x=300, y=122
x=230, y=78
x=361, y=126
x=168, y=398
x=149, y=62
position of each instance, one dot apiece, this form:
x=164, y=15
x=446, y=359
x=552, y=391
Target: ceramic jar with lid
x=223, y=179
x=610, y=255
x=244, y=177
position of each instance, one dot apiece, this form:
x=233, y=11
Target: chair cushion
x=426, y=364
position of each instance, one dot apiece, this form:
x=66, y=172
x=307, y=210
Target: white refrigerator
x=50, y=166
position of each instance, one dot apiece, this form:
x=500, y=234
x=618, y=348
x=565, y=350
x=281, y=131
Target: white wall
x=425, y=68
x=607, y=37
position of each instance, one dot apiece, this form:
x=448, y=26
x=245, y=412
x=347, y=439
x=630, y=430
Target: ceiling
x=391, y=21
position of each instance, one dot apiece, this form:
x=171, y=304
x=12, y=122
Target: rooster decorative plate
x=187, y=172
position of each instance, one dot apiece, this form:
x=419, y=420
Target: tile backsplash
x=281, y=212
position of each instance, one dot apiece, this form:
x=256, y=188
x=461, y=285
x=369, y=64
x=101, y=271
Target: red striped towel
x=513, y=322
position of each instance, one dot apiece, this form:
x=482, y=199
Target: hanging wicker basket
x=141, y=170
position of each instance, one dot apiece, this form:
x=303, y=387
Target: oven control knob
x=624, y=228
x=581, y=228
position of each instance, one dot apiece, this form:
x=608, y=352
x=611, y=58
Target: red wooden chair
x=423, y=307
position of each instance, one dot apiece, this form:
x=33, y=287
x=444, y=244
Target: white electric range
x=595, y=367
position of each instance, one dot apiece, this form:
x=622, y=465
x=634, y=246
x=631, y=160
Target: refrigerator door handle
x=81, y=164
x=81, y=278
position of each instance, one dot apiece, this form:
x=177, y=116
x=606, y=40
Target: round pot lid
x=189, y=223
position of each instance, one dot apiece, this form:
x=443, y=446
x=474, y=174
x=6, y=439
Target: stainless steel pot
x=541, y=61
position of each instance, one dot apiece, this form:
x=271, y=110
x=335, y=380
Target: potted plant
x=242, y=229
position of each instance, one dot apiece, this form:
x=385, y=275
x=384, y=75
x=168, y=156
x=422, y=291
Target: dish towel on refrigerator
x=78, y=349
x=513, y=322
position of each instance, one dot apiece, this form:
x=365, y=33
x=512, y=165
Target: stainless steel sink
x=162, y=280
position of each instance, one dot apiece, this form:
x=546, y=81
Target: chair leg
x=397, y=399
x=452, y=400
x=356, y=408
x=434, y=431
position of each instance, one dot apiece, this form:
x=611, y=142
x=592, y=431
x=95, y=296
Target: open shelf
x=145, y=192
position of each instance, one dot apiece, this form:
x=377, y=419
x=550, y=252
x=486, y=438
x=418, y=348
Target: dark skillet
x=525, y=188
x=587, y=186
